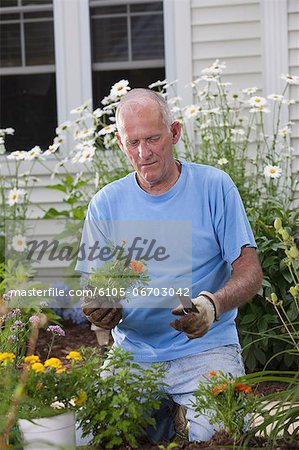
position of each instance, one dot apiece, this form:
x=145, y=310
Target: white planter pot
x=51, y=433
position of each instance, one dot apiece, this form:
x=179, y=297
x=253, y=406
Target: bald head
x=140, y=97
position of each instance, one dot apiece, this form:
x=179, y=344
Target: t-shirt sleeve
x=233, y=229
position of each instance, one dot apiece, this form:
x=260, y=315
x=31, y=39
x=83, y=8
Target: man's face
x=147, y=142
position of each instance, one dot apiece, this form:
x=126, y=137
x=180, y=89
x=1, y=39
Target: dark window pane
x=37, y=15
x=153, y=6
x=108, y=10
x=10, y=45
x=103, y=81
x=147, y=37
x=36, y=2
x=39, y=43
x=4, y=17
x=6, y=3
x=28, y=104
x=109, y=40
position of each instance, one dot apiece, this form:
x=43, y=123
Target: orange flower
x=137, y=266
x=218, y=389
x=213, y=374
x=243, y=388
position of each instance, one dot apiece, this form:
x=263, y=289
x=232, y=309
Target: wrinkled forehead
x=143, y=108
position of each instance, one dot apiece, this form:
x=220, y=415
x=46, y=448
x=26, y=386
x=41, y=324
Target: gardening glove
x=200, y=318
x=102, y=311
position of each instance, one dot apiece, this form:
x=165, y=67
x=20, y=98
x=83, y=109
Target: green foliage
x=120, y=399
x=227, y=401
x=116, y=277
x=276, y=413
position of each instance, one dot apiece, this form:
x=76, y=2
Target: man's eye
x=133, y=143
x=154, y=139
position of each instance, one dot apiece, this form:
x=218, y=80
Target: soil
x=78, y=335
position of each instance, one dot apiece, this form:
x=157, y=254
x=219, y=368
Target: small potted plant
x=54, y=389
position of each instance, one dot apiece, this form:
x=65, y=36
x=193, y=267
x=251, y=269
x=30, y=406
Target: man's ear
x=117, y=135
x=176, y=130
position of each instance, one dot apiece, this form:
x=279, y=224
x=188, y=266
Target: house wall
x=293, y=56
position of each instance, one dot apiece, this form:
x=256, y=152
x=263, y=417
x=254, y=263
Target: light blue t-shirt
x=201, y=225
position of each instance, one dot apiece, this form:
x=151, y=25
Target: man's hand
x=102, y=311
x=196, y=323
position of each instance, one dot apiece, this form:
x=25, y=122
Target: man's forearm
x=245, y=282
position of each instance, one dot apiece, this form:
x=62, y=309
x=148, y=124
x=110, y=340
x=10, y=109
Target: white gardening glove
x=197, y=322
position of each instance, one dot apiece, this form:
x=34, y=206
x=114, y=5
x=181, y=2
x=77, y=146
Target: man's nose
x=144, y=150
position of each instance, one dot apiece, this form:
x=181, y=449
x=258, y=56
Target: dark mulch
x=75, y=337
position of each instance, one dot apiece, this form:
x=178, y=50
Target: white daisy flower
x=10, y=131
x=18, y=155
x=98, y=113
x=214, y=69
x=192, y=111
x=290, y=79
x=52, y=149
x=170, y=83
x=275, y=97
x=259, y=109
x=85, y=156
x=109, y=141
x=63, y=127
x=284, y=131
x=107, y=129
x=19, y=243
x=257, y=101
x=272, y=171
x=35, y=152
x=58, y=140
x=16, y=196
x=250, y=91
x=83, y=134
x=209, y=78
x=222, y=161
x=119, y=89
x=157, y=84
x=80, y=109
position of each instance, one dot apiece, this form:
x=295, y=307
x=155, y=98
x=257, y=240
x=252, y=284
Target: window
x=127, y=42
x=27, y=74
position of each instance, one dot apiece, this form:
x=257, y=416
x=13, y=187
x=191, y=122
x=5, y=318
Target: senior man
x=225, y=270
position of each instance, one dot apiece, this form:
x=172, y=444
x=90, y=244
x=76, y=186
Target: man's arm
x=245, y=282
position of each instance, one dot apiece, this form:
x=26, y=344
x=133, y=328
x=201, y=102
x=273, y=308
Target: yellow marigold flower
x=53, y=362
x=31, y=359
x=7, y=356
x=61, y=370
x=74, y=355
x=81, y=399
x=38, y=367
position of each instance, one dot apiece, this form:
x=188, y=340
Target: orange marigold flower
x=213, y=373
x=243, y=388
x=137, y=266
x=218, y=389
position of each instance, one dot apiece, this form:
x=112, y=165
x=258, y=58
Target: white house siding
x=231, y=31
x=293, y=38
